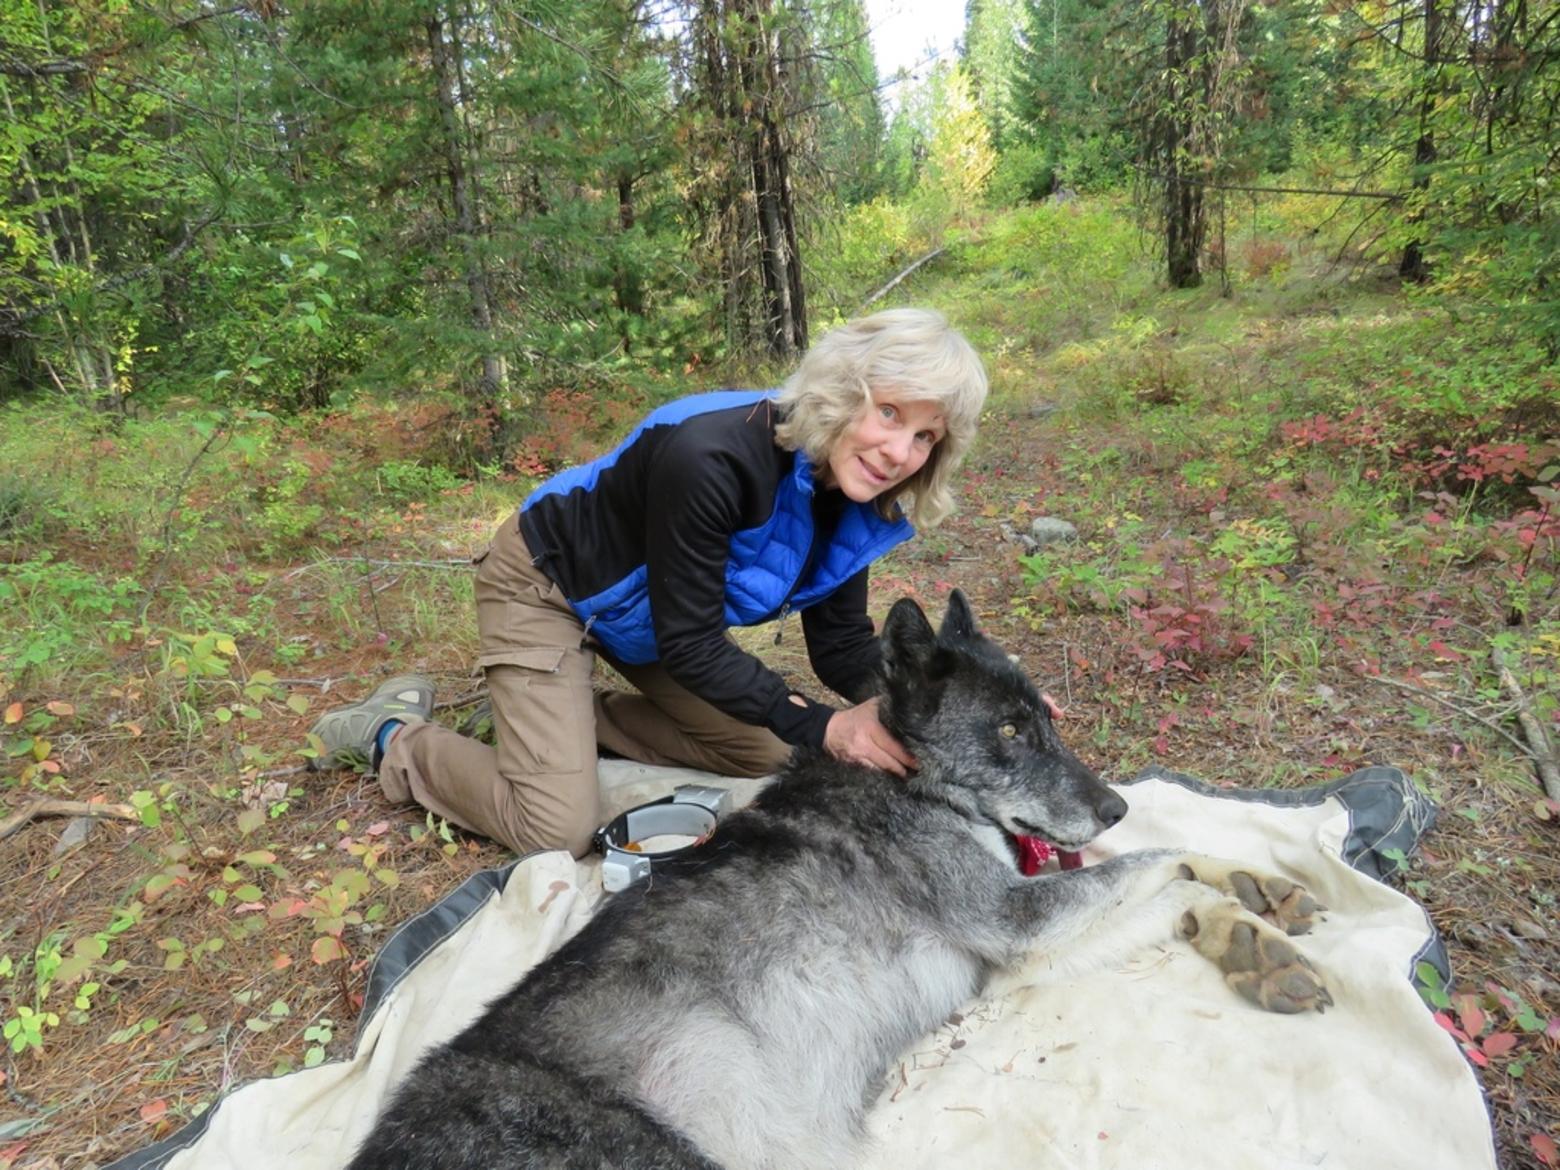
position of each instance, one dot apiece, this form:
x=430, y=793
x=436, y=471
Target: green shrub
x=56, y=616
x=1026, y=173
x=404, y=480
x=26, y=508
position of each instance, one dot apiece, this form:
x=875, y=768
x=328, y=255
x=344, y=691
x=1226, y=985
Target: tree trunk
x=785, y=331
x=627, y=289
x=780, y=165
x=1185, y=222
x=1413, y=266
x=464, y=195
x=749, y=201
x=1503, y=107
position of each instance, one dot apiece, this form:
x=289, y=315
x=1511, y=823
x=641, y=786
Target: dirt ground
x=253, y=993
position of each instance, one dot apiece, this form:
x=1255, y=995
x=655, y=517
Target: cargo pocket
x=538, y=704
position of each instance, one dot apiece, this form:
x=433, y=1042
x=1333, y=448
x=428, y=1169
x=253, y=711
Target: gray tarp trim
x=1386, y=813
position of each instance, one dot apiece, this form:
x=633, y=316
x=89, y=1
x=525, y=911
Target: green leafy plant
x=318, y=1036
x=60, y=616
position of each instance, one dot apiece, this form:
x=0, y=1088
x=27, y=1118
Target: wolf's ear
x=908, y=641
x=959, y=621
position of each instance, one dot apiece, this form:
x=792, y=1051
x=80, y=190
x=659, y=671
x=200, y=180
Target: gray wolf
x=739, y=1010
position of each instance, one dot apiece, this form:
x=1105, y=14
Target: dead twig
x=1447, y=703
x=64, y=808
x=219, y=435
x=1542, y=751
x=463, y=564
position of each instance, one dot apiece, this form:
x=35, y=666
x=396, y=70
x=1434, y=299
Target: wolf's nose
x=1110, y=809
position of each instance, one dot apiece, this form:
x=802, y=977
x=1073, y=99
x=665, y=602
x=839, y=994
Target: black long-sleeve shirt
x=671, y=500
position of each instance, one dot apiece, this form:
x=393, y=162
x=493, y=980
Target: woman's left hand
x=856, y=735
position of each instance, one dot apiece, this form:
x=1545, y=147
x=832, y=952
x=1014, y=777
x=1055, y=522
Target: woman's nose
x=897, y=447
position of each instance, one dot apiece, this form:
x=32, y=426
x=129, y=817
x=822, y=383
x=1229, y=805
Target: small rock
x=1022, y=539
x=1527, y=928
x=75, y=833
x=1048, y=529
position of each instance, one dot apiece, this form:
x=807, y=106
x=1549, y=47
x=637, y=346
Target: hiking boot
x=351, y=733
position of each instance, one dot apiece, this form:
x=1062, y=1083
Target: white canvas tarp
x=1154, y=1064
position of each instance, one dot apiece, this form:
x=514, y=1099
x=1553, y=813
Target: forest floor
x=1237, y=608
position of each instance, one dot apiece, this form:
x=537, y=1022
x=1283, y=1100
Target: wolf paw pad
x=1288, y=906
x=1285, y=904
x=1261, y=964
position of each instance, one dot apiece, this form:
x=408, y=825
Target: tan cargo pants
x=537, y=789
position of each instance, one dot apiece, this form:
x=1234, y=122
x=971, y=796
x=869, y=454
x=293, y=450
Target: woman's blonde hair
x=920, y=357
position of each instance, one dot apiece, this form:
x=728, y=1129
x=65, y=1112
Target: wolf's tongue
x=1033, y=853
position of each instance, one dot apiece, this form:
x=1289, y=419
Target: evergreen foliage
x=284, y=208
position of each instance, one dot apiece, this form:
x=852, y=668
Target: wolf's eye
x=1008, y=730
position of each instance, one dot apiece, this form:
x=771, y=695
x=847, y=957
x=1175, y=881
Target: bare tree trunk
x=784, y=316
x=750, y=201
x=464, y=195
x=1503, y=104
x=1413, y=266
x=627, y=289
x=779, y=169
x=1185, y=222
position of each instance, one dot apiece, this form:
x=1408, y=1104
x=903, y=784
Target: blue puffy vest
x=764, y=562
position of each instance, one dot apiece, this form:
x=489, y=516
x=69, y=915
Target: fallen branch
x=64, y=808
x=1431, y=695
x=1540, y=748
x=889, y=287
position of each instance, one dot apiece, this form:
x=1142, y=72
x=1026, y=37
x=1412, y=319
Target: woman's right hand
x=856, y=736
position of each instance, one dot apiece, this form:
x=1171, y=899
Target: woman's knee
x=576, y=833
x=560, y=811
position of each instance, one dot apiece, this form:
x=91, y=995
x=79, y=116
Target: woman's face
x=888, y=443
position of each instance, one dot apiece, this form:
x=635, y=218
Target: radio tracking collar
x=691, y=811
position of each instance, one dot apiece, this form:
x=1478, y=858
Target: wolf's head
x=983, y=737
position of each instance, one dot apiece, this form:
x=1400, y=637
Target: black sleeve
x=841, y=645
x=696, y=503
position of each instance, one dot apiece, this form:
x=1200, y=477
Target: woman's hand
x=855, y=735
x=1057, y=710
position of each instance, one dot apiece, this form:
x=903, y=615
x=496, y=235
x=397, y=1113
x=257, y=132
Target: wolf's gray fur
x=738, y=1010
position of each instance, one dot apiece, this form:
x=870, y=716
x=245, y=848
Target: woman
x=722, y=509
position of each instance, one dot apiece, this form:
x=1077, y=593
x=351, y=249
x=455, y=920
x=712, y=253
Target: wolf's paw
x=1284, y=903
x=1257, y=961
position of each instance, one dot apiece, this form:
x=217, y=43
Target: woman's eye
x=927, y=438
x=887, y=411
x=1009, y=730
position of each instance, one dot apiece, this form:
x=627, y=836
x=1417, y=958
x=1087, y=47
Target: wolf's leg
x=1257, y=959
x=1056, y=912
x=1095, y=917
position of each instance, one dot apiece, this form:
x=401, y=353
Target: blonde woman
x=723, y=509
